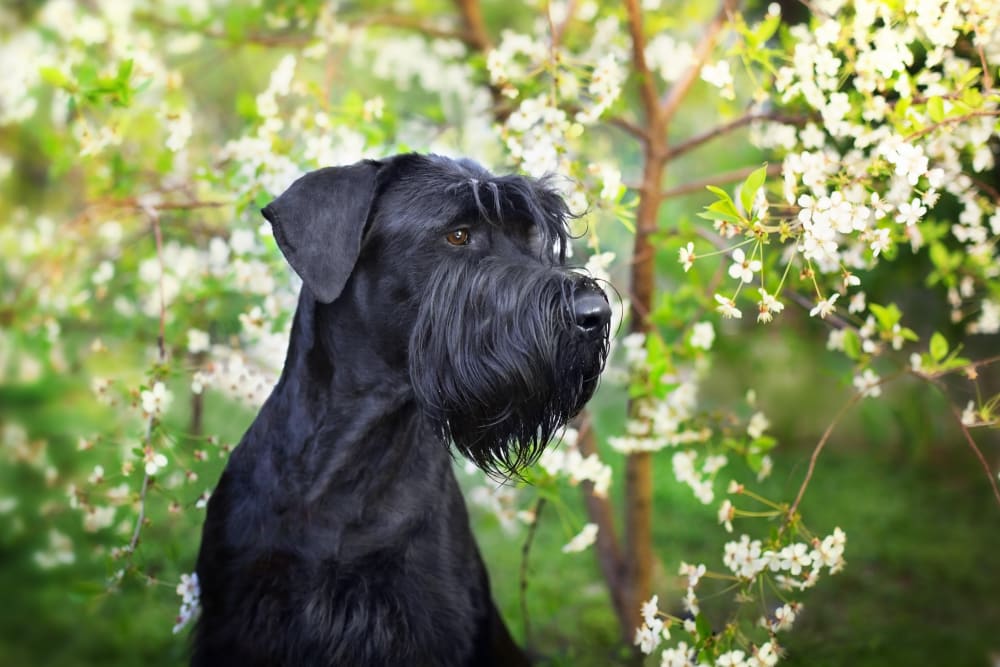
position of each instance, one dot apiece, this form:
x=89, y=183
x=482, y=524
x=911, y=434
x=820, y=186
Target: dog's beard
x=497, y=361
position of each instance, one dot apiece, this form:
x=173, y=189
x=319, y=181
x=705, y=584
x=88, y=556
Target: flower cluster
x=190, y=592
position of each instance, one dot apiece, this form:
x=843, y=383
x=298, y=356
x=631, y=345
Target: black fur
x=337, y=534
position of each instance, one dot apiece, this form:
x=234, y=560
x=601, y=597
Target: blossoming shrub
x=145, y=297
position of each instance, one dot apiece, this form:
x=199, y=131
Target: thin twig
x=819, y=449
x=525, y=552
x=968, y=436
x=951, y=121
x=629, y=127
x=721, y=130
x=826, y=437
x=162, y=356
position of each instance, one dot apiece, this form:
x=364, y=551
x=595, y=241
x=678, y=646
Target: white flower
x=702, y=335
x=198, y=341
x=743, y=268
x=868, y=383
x=717, y=74
x=727, y=307
x=687, y=256
x=105, y=272
x=650, y=609
x=155, y=400
x=97, y=477
x=766, y=656
x=179, y=128
x=969, y=414
x=795, y=557
x=824, y=306
x=857, y=304
x=731, y=659
x=582, y=540
x=726, y=514
x=153, y=460
x=784, y=617
x=766, y=466
x=694, y=573
x=202, y=501
x=881, y=242
x=911, y=213
x=677, y=657
x=635, y=349
x=648, y=638
x=758, y=424
x=188, y=589
x=744, y=558
x=767, y=305
x=190, y=592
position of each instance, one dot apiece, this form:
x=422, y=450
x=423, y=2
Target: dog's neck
x=340, y=429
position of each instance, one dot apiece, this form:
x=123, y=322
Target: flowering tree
x=139, y=268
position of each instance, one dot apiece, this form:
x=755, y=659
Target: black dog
x=436, y=307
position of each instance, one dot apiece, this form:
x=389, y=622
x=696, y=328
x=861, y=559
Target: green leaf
x=718, y=215
x=54, y=77
x=702, y=625
x=722, y=194
x=763, y=444
x=935, y=108
x=887, y=316
x=939, y=346
x=750, y=187
x=852, y=344
x=939, y=255
x=972, y=97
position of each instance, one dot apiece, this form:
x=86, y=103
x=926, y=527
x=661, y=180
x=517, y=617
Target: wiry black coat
x=337, y=534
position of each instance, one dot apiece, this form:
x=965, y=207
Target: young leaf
x=750, y=186
x=852, y=344
x=939, y=347
x=935, y=109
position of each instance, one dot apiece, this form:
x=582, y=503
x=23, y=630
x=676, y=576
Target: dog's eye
x=458, y=237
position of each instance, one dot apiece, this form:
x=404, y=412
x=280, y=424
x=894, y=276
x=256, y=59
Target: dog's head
x=461, y=275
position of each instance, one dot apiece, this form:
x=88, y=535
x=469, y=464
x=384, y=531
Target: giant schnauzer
x=436, y=307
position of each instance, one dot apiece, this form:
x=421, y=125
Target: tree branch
x=951, y=121
x=472, y=16
x=629, y=127
x=702, y=51
x=694, y=142
x=417, y=24
x=647, y=85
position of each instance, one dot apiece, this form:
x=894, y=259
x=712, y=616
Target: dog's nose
x=591, y=311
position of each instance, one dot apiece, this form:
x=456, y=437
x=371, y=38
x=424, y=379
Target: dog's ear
x=318, y=222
